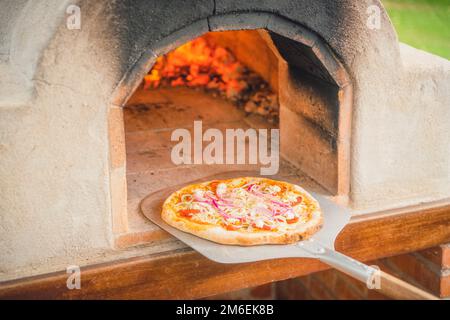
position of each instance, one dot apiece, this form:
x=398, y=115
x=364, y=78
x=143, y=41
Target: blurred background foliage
x=423, y=24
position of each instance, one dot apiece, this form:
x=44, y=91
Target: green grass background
x=423, y=24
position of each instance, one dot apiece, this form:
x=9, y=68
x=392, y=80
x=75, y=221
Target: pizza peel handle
x=373, y=277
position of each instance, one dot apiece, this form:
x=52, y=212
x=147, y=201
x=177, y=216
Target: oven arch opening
x=315, y=102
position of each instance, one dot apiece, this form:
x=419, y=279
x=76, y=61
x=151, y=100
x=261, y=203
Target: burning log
x=204, y=65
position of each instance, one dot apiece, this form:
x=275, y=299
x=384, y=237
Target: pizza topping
x=244, y=206
x=221, y=189
x=293, y=220
x=290, y=215
x=259, y=223
x=188, y=212
x=186, y=197
x=273, y=189
x=297, y=201
x=199, y=194
x=231, y=227
x=233, y=220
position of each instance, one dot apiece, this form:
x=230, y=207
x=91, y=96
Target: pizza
x=244, y=211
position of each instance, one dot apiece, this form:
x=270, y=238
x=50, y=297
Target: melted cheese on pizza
x=251, y=206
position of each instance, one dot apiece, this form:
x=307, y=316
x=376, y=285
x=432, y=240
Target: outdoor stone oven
x=361, y=115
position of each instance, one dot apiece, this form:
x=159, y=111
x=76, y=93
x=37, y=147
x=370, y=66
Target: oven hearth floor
x=150, y=117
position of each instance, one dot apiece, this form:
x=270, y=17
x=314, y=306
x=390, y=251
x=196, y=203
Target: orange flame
x=199, y=63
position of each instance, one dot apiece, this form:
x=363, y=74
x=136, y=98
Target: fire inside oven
x=205, y=65
x=226, y=82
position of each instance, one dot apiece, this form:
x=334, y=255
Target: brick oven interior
x=152, y=113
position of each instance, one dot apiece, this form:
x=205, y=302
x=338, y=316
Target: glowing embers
x=202, y=64
x=199, y=64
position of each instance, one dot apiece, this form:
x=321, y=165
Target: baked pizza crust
x=220, y=235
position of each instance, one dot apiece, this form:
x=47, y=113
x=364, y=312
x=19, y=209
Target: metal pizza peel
x=319, y=246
